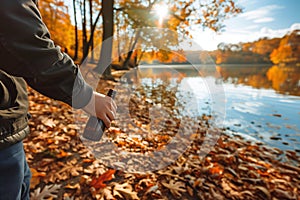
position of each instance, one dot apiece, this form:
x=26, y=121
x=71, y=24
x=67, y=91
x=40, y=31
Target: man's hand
x=103, y=107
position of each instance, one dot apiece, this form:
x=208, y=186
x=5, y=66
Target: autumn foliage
x=283, y=50
x=56, y=16
x=288, y=50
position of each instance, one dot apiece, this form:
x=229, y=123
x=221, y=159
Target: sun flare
x=161, y=11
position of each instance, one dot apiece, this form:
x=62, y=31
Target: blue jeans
x=14, y=173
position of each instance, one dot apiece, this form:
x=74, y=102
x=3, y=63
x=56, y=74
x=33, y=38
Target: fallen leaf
x=75, y=171
x=47, y=192
x=276, y=115
x=98, y=183
x=216, y=169
x=125, y=190
x=107, y=194
x=263, y=192
x=76, y=186
x=36, y=177
x=49, y=122
x=175, y=187
x=63, y=154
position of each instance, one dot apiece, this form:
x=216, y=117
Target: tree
x=288, y=50
x=131, y=19
x=90, y=43
x=55, y=14
x=136, y=16
x=83, y=11
x=265, y=46
x=104, y=63
x=76, y=30
x=89, y=26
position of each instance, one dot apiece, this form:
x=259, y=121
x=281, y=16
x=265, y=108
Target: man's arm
x=4, y=97
x=27, y=51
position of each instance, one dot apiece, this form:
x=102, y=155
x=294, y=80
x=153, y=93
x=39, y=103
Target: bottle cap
x=112, y=93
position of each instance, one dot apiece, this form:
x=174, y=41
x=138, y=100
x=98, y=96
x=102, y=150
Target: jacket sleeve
x=4, y=97
x=27, y=51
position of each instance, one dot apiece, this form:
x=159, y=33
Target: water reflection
x=262, y=102
x=283, y=79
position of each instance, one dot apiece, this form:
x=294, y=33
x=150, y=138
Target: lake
x=260, y=103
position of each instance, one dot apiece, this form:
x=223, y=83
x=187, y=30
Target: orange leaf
x=50, y=141
x=216, y=169
x=98, y=183
x=35, y=173
x=53, y=146
x=88, y=160
x=63, y=154
x=36, y=177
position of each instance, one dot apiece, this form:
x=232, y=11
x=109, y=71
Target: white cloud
x=267, y=32
x=262, y=14
x=295, y=26
x=251, y=27
x=246, y=2
x=264, y=20
x=209, y=40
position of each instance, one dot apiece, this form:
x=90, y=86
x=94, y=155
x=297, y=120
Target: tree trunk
x=120, y=59
x=76, y=31
x=84, y=30
x=91, y=45
x=104, y=64
x=129, y=54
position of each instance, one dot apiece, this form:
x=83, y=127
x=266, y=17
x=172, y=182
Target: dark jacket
x=28, y=55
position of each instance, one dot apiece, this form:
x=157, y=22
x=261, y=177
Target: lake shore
x=234, y=168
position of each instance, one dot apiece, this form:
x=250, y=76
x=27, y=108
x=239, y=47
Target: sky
x=260, y=18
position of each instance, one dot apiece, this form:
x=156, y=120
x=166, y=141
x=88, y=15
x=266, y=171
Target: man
x=28, y=55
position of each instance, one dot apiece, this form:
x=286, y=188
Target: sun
x=161, y=11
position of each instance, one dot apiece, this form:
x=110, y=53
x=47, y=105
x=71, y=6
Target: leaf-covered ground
x=63, y=168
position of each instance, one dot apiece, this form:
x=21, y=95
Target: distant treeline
x=285, y=50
